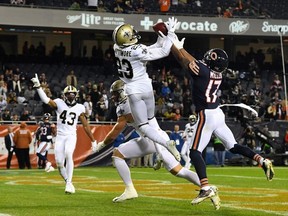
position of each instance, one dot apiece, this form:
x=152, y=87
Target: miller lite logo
x=86, y=19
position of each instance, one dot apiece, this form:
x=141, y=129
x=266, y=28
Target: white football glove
x=99, y=146
x=36, y=81
x=172, y=24
x=94, y=146
x=178, y=44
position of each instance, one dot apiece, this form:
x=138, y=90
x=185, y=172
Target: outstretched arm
x=183, y=61
x=42, y=94
x=186, y=60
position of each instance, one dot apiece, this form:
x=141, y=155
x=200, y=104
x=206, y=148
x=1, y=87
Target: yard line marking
x=253, y=209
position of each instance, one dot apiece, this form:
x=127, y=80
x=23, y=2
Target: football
x=160, y=26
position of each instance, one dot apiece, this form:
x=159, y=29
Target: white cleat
x=69, y=189
x=205, y=193
x=49, y=167
x=171, y=146
x=130, y=193
x=215, y=199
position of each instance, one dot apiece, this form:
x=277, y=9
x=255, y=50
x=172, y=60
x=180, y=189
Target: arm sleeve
x=43, y=96
x=154, y=53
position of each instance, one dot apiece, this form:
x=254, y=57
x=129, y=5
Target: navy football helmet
x=216, y=59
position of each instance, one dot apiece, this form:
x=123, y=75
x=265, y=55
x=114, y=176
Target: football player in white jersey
x=132, y=58
x=139, y=147
x=188, y=136
x=68, y=112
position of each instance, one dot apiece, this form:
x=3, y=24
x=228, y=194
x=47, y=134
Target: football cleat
x=204, y=194
x=49, y=167
x=69, y=189
x=130, y=193
x=171, y=146
x=215, y=199
x=268, y=169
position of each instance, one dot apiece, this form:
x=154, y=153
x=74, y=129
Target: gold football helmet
x=70, y=95
x=117, y=91
x=193, y=119
x=125, y=35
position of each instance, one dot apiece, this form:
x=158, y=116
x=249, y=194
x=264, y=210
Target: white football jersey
x=124, y=109
x=189, y=130
x=131, y=62
x=67, y=117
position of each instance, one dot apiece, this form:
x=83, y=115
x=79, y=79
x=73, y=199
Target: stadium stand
x=248, y=8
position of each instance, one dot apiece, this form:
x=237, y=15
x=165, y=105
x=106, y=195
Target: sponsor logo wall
x=108, y=21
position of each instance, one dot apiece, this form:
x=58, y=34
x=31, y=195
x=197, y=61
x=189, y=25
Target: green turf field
x=243, y=191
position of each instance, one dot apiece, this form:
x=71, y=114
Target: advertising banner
x=87, y=20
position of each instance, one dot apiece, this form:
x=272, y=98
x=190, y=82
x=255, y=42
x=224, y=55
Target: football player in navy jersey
x=44, y=135
x=207, y=77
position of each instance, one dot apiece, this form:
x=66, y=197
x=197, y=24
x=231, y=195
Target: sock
x=123, y=171
x=185, y=158
x=259, y=159
x=200, y=166
x=69, y=168
x=247, y=152
x=62, y=171
x=189, y=175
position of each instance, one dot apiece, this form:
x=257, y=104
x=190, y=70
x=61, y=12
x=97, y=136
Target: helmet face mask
x=117, y=91
x=193, y=119
x=125, y=35
x=216, y=59
x=70, y=95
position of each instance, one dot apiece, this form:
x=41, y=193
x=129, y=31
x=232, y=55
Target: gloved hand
x=36, y=81
x=178, y=44
x=172, y=24
x=98, y=146
x=94, y=146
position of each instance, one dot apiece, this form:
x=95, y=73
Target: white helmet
x=70, y=95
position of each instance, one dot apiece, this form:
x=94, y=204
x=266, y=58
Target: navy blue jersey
x=205, y=86
x=43, y=131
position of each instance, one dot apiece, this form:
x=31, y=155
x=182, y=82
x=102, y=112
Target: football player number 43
x=124, y=68
x=71, y=119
